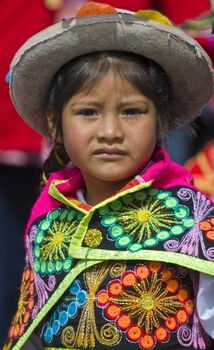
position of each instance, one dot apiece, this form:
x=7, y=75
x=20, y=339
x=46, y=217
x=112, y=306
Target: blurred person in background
x=20, y=148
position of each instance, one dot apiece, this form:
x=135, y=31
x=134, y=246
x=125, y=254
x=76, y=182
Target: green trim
x=54, y=192
x=78, y=236
x=123, y=193
x=190, y=262
x=81, y=266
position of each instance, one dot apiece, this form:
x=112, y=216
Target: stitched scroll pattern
x=193, y=240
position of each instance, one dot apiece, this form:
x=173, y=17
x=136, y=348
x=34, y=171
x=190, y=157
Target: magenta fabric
x=162, y=170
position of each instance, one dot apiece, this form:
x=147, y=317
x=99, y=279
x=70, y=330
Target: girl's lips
x=110, y=153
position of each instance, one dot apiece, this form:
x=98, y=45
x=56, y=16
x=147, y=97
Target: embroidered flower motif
x=67, y=309
x=207, y=226
x=194, y=240
x=93, y=238
x=25, y=305
x=147, y=304
x=145, y=218
x=52, y=241
x=42, y=288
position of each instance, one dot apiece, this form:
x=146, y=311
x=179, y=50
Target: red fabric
x=177, y=10
x=180, y=10
x=19, y=19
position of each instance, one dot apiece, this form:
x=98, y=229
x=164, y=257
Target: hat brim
x=35, y=64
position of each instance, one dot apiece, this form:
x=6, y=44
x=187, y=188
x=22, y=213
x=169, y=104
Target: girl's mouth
x=108, y=153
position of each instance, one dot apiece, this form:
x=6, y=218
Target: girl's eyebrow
x=84, y=101
x=125, y=102
x=134, y=101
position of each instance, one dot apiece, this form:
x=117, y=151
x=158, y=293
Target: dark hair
x=83, y=73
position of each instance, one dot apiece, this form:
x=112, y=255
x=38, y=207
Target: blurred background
x=22, y=150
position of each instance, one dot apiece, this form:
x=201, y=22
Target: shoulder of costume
x=45, y=202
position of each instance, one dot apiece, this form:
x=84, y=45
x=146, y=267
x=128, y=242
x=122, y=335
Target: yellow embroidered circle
x=93, y=238
x=58, y=238
x=144, y=215
x=147, y=301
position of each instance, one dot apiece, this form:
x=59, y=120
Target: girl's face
x=110, y=132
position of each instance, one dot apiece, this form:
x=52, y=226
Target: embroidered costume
x=123, y=273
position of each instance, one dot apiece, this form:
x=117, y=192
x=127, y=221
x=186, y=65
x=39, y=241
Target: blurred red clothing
x=19, y=19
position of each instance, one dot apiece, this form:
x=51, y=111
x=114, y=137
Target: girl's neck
x=97, y=191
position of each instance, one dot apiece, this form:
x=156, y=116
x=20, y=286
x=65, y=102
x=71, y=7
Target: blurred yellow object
x=53, y=4
x=154, y=16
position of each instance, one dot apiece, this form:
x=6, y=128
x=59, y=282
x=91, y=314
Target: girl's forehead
x=110, y=91
x=111, y=83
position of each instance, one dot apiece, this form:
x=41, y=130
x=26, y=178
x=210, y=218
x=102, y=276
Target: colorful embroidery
x=141, y=300
x=145, y=304
x=145, y=218
x=193, y=240
x=207, y=227
x=93, y=238
x=25, y=305
x=114, y=304
x=52, y=241
x=87, y=332
x=42, y=287
x=66, y=310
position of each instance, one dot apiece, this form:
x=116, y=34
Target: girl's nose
x=110, y=129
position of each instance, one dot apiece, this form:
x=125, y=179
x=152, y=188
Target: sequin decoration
x=25, y=305
x=80, y=303
x=66, y=310
x=52, y=241
x=93, y=238
x=147, y=303
x=144, y=219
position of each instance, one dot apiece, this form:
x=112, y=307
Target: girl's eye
x=134, y=111
x=88, y=112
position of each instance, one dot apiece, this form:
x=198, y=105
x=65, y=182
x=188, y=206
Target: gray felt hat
x=35, y=64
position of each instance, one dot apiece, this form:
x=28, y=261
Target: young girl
x=119, y=246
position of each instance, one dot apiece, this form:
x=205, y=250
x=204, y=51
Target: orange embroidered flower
x=113, y=311
x=25, y=305
x=102, y=298
x=142, y=272
x=95, y=9
x=147, y=303
x=115, y=288
x=162, y=334
x=123, y=322
x=167, y=274
x=207, y=226
x=134, y=333
x=128, y=279
x=171, y=323
x=147, y=342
